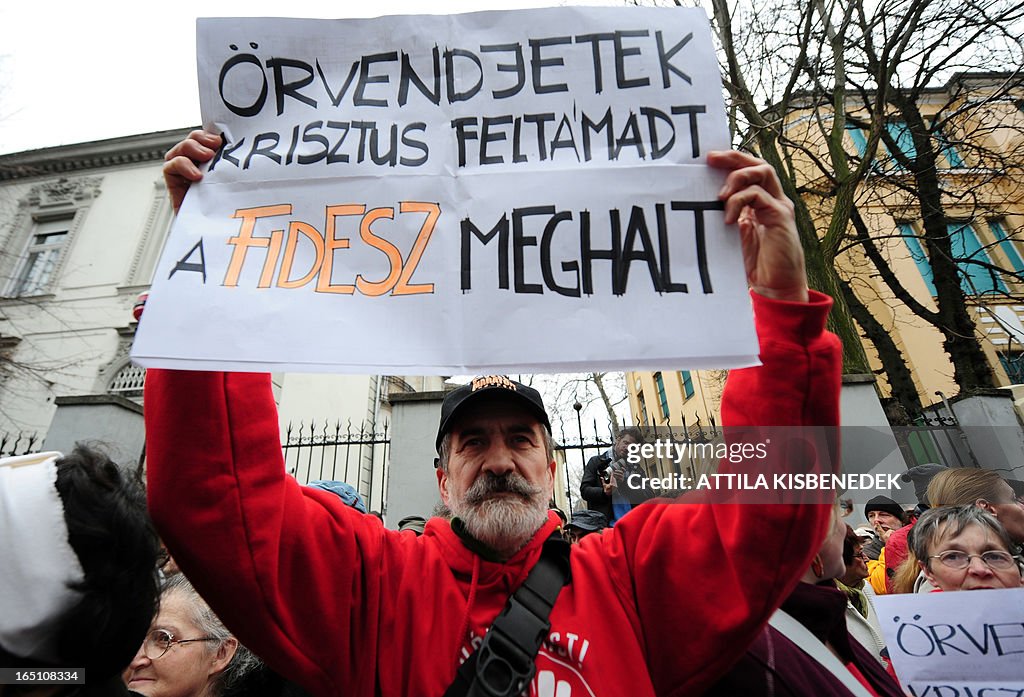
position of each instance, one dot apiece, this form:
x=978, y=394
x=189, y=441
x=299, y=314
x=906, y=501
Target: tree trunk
x=821, y=272
x=901, y=382
x=598, y=379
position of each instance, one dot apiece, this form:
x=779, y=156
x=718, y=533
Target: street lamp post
x=579, y=425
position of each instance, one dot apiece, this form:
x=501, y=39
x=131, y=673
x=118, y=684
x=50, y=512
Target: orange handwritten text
x=280, y=247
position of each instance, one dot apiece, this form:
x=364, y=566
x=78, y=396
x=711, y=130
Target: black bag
x=505, y=663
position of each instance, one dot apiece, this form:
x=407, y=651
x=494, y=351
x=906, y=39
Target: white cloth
x=923, y=585
x=867, y=631
x=37, y=563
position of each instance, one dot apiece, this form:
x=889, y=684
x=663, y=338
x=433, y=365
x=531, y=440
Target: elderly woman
x=964, y=548
x=188, y=652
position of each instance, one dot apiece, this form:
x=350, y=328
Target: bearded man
x=661, y=604
x=498, y=501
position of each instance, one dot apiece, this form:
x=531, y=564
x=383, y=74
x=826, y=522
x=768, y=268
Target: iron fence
x=20, y=444
x=322, y=451
x=578, y=449
x=935, y=438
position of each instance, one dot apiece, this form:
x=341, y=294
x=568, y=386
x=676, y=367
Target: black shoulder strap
x=505, y=662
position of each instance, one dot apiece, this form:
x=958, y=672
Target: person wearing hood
x=337, y=603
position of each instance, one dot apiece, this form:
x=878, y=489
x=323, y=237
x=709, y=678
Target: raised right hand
x=181, y=163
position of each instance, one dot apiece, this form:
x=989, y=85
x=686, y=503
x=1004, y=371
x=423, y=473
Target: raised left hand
x=772, y=254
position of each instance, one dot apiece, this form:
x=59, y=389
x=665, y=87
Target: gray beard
x=503, y=523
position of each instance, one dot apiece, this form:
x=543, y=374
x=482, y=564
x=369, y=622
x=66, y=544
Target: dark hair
x=631, y=431
x=849, y=542
x=113, y=538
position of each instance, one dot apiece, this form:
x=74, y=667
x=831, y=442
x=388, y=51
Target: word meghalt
x=628, y=239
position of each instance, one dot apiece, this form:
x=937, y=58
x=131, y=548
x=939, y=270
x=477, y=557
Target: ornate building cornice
x=148, y=147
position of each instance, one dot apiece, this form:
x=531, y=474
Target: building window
x=998, y=228
x=899, y=132
x=1013, y=364
x=644, y=418
x=128, y=381
x=45, y=245
x=687, y=379
x=662, y=397
x=950, y=152
x=966, y=248
x=42, y=232
x=859, y=141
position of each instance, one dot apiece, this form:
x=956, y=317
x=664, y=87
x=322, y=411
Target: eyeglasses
x=860, y=555
x=958, y=560
x=159, y=641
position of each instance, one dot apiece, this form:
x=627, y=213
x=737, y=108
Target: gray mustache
x=489, y=484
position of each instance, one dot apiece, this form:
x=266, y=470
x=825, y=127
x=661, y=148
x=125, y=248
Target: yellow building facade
x=982, y=173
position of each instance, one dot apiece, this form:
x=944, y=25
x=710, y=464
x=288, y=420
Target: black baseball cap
x=455, y=402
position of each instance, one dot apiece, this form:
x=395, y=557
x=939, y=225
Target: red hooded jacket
x=660, y=605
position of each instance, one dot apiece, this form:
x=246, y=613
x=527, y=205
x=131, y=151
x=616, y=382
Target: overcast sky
x=72, y=72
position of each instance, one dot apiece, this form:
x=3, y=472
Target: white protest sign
x=497, y=191
x=966, y=644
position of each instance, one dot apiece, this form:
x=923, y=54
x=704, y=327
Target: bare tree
x=599, y=396
x=807, y=80
x=780, y=57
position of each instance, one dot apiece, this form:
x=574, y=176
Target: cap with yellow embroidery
x=457, y=400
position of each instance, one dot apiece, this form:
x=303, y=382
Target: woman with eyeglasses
x=188, y=652
x=961, y=548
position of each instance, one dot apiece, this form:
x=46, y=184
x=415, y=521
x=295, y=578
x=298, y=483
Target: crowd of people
x=965, y=533
x=282, y=589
